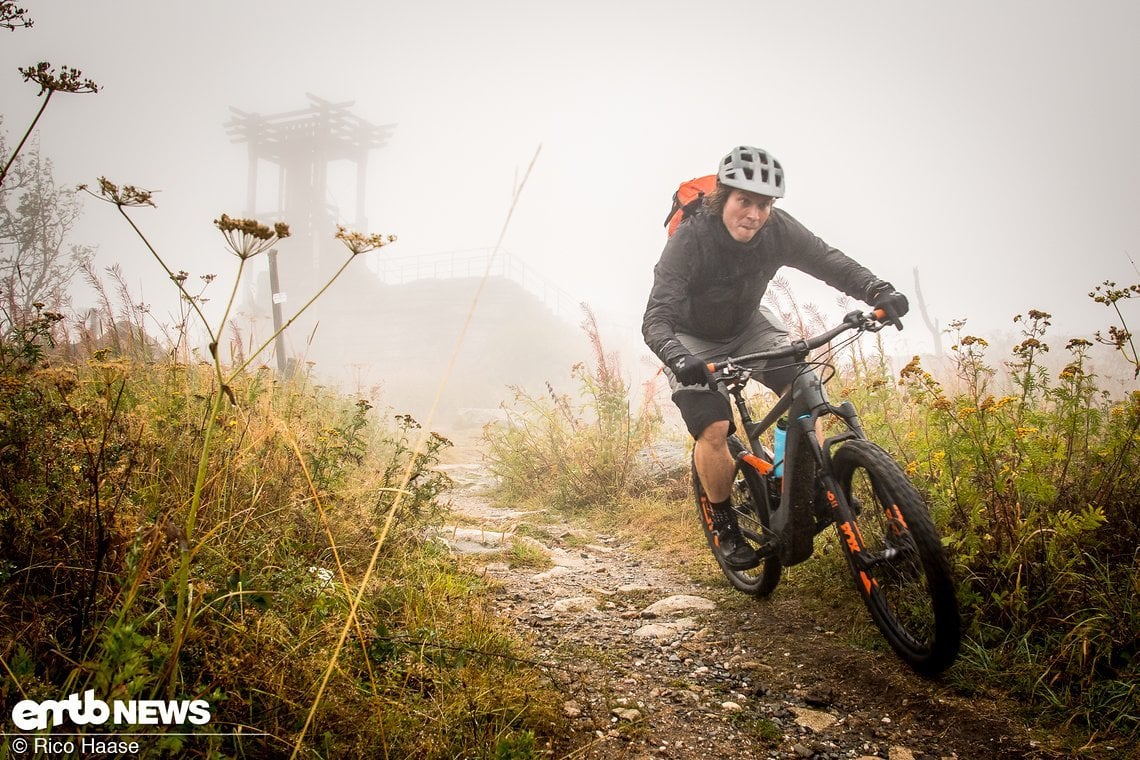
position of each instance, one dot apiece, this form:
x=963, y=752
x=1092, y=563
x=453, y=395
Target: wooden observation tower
x=302, y=144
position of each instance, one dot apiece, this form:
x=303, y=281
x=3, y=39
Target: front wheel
x=902, y=571
x=750, y=500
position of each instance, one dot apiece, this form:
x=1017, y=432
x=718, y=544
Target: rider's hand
x=894, y=304
x=690, y=370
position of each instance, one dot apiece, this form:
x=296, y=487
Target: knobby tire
x=908, y=587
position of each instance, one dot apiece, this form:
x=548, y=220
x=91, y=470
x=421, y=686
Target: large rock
x=575, y=604
x=664, y=460
x=658, y=631
x=671, y=605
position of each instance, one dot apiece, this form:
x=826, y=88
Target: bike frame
x=805, y=402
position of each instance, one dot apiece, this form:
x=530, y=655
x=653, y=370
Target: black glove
x=894, y=304
x=690, y=370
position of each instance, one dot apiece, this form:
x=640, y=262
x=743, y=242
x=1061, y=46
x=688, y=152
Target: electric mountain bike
x=893, y=550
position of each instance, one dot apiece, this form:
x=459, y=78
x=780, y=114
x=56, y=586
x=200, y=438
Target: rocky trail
x=653, y=665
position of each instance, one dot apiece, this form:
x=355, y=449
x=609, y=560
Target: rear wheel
x=749, y=497
x=902, y=572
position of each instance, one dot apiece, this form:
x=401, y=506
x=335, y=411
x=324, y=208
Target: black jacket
x=708, y=285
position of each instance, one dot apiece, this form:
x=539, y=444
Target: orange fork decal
x=853, y=536
x=849, y=536
x=854, y=540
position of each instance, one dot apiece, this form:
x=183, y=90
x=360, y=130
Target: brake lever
x=732, y=375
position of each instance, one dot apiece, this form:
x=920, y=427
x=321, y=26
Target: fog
x=990, y=145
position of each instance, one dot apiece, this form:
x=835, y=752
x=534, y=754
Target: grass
x=288, y=520
x=529, y=554
x=764, y=730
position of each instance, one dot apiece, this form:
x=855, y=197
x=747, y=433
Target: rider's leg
x=716, y=469
x=707, y=415
x=713, y=461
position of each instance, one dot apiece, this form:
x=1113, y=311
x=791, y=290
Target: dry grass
x=298, y=482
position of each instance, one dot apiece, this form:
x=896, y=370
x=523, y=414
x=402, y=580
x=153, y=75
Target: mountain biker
x=705, y=306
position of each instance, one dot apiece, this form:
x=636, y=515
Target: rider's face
x=745, y=213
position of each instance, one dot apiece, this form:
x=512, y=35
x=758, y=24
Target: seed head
x=1109, y=294
x=127, y=195
x=68, y=79
x=358, y=242
x=12, y=17
x=249, y=237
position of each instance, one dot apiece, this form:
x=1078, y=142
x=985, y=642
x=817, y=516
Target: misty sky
x=993, y=145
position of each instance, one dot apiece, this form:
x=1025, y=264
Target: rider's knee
x=715, y=433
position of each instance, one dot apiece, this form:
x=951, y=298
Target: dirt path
x=653, y=665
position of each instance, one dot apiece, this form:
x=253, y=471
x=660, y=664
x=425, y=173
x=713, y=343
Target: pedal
x=768, y=547
x=742, y=566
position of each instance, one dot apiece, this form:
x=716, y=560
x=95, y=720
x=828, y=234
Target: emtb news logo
x=30, y=715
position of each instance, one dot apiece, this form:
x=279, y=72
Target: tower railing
x=477, y=262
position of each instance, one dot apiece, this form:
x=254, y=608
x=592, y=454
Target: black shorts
x=701, y=407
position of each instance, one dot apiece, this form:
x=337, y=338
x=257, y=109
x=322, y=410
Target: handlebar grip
x=711, y=367
x=880, y=314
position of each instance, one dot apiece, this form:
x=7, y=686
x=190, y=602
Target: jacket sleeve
x=811, y=255
x=663, y=312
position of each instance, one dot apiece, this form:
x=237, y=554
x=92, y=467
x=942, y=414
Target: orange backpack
x=688, y=199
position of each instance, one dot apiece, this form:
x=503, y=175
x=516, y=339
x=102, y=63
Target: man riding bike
x=705, y=305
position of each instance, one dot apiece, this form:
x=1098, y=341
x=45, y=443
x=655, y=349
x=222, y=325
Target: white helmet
x=752, y=169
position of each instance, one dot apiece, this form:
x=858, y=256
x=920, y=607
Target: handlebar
x=856, y=320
